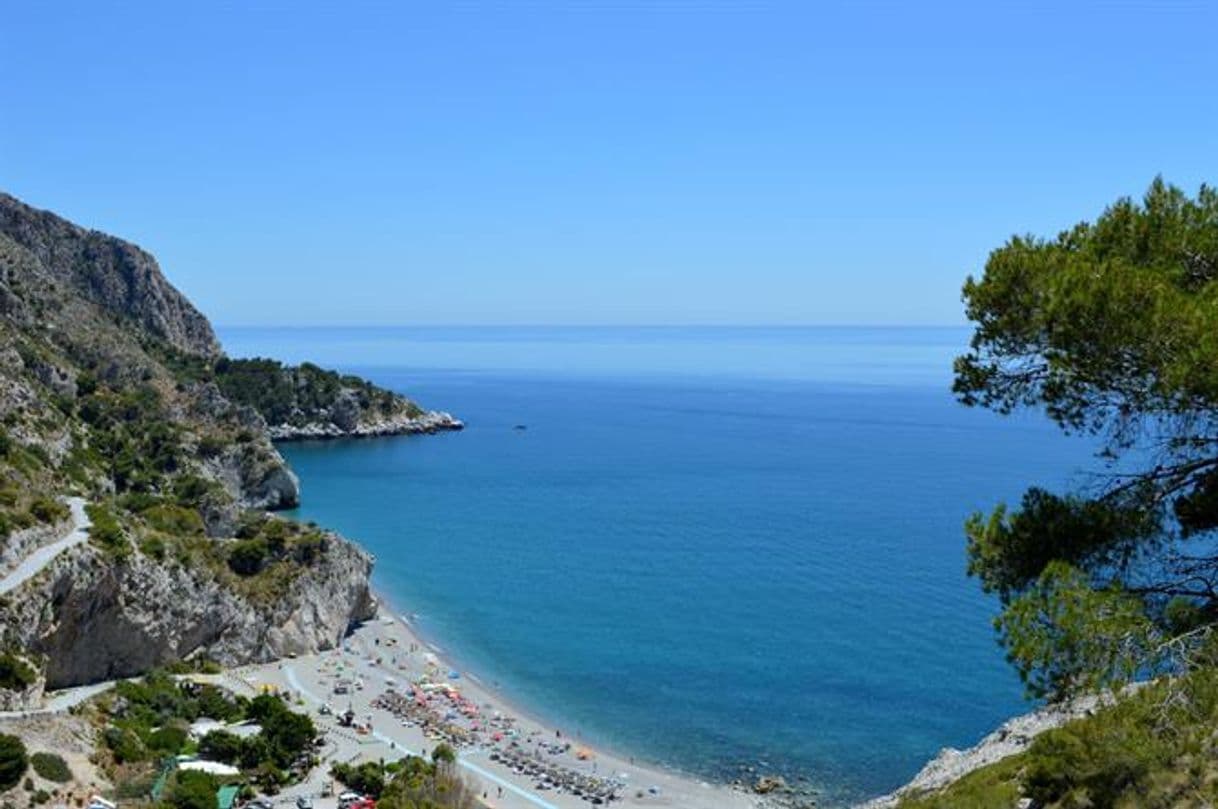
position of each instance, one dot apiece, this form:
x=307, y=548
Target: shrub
x=247, y=556
x=367, y=778
x=86, y=383
x=176, y=520
x=13, y=761
x=46, y=509
x=220, y=745
x=106, y=530
x=125, y=745
x=167, y=740
x=15, y=673
x=51, y=767
x=193, y=790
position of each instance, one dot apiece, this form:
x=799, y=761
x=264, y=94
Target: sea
x=724, y=550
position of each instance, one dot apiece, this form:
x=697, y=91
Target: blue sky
x=695, y=162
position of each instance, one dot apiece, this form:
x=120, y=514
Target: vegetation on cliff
x=1112, y=330
x=110, y=390
x=304, y=394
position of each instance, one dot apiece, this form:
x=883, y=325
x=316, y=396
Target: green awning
x=225, y=796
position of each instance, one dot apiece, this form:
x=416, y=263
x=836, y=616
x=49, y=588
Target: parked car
x=304, y=803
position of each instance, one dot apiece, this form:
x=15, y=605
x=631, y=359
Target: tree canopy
x=1111, y=329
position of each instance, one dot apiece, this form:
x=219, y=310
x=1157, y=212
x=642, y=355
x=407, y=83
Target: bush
x=287, y=734
x=367, y=778
x=51, y=767
x=106, y=530
x=15, y=673
x=48, y=510
x=176, y=520
x=220, y=745
x=167, y=740
x=13, y=761
x=248, y=556
x=125, y=745
x=193, y=790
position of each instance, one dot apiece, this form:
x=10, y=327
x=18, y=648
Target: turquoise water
x=711, y=547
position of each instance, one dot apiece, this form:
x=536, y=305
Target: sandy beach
x=394, y=683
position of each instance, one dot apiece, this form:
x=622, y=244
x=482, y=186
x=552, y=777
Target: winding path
x=31, y=565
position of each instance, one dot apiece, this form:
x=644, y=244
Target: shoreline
x=429, y=422
x=534, y=714
x=383, y=656
x=409, y=621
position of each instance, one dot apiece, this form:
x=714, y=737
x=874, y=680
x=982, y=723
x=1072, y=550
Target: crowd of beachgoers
x=386, y=693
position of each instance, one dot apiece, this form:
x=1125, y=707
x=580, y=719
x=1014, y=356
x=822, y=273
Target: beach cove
x=720, y=572
x=385, y=658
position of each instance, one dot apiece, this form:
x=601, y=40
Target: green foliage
x=174, y=519
x=15, y=673
x=133, y=434
x=1154, y=749
x=125, y=745
x=1063, y=635
x=48, y=510
x=155, y=711
x=86, y=384
x=367, y=778
x=52, y=767
x=299, y=395
x=444, y=754
x=220, y=745
x=993, y=787
x=421, y=784
x=191, y=789
x=106, y=530
x=1111, y=329
x=166, y=741
x=13, y=761
x=247, y=557
x=287, y=734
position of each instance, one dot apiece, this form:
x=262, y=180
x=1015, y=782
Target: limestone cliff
x=116, y=275
x=93, y=618
x=112, y=388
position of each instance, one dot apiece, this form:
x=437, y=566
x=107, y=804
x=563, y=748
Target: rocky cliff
x=109, y=390
x=117, y=276
x=93, y=618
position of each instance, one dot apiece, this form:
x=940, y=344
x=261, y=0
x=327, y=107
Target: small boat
x=521, y=427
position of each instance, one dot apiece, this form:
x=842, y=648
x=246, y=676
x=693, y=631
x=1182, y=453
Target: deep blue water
x=711, y=547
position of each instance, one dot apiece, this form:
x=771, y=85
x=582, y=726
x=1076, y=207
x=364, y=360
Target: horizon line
x=592, y=325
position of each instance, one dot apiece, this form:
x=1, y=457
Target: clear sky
x=606, y=162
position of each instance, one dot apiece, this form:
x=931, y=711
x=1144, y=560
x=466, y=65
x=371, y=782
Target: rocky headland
x=115, y=392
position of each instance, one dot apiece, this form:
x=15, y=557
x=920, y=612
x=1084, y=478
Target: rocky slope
x=1013, y=737
x=109, y=390
x=117, y=276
